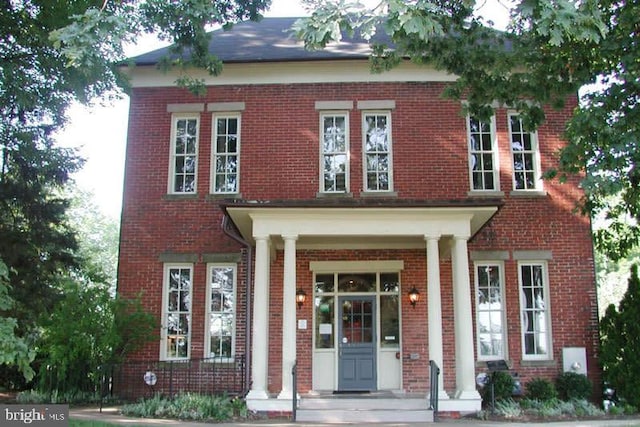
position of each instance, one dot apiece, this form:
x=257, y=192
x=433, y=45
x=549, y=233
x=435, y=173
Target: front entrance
x=357, y=343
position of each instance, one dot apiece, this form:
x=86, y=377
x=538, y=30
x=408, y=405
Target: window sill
x=374, y=194
x=223, y=196
x=485, y=193
x=320, y=195
x=219, y=360
x=482, y=363
x=538, y=363
x=172, y=361
x=189, y=196
x=528, y=193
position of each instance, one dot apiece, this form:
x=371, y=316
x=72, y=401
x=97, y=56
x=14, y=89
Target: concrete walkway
x=112, y=415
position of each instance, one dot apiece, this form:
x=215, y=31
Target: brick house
x=302, y=174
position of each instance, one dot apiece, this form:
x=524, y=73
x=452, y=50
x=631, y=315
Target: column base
x=257, y=395
x=467, y=395
x=286, y=395
x=442, y=395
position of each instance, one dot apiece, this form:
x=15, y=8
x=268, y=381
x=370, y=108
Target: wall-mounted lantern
x=414, y=296
x=301, y=297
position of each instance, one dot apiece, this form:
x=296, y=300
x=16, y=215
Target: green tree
x=89, y=327
x=620, y=342
x=611, y=277
x=98, y=236
x=55, y=53
x=14, y=350
x=551, y=49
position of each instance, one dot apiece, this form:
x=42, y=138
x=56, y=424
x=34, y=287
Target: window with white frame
x=376, y=127
x=534, y=306
x=184, y=154
x=226, y=154
x=490, y=311
x=176, y=319
x=334, y=134
x=483, y=161
x=221, y=311
x=524, y=150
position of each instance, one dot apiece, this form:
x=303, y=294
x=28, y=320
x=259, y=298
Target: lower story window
x=534, y=290
x=176, y=322
x=490, y=309
x=221, y=312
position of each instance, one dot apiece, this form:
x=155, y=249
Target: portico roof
x=360, y=223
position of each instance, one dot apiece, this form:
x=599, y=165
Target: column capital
x=432, y=236
x=461, y=237
x=261, y=237
x=289, y=236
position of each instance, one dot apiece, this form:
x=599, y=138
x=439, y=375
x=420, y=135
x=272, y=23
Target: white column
x=260, y=347
x=434, y=315
x=463, y=321
x=288, y=316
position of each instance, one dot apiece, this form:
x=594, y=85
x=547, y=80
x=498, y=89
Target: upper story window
x=184, y=154
x=483, y=158
x=535, y=312
x=334, y=134
x=524, y=149
x=226, y=154
x=490, y=311
x=221, y=311
x=376, y=127
x=176, y=312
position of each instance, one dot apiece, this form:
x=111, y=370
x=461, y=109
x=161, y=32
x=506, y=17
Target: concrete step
x=363, y=410
x=364, y=416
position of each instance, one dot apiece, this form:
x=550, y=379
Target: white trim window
x=176, y=316
x=226, y=154
x=525, y=155
x=490, y=311
x=184, y=154
x=376, y=129
x=334, y=158
x=483, y=154
x=221, y=311
x=535, y=311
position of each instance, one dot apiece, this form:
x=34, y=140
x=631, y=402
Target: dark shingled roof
x=271, y=40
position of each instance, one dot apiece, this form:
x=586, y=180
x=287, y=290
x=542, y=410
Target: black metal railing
x=294, y=391
x=434, y=374
x=134, y=379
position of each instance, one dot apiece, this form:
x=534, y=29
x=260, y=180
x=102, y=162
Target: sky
x=100, y=132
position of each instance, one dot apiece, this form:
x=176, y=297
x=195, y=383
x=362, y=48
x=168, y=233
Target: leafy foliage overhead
x=550, y=50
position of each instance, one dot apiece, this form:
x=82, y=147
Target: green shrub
x=188, y=406
x=584, y=408
x=540, y=389
x=571, y=385
x=503, y=386
x=508, y=408
x=56, y=397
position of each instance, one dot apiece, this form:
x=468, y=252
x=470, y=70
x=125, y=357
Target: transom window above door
x=384, y=288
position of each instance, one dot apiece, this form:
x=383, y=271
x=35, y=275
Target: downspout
x=230, y=230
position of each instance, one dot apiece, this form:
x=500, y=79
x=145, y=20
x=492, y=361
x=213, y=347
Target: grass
x=90, y=423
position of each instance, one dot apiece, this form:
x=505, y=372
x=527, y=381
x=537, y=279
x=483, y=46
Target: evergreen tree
x=42, y=72
x=620, y=343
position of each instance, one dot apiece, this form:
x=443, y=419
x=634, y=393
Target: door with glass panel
x=357, y=343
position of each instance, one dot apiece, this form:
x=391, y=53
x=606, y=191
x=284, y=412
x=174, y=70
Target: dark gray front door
x=357, y=343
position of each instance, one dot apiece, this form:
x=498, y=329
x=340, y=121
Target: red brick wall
x=279, y=160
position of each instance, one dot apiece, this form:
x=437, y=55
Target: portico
x=441, y=231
